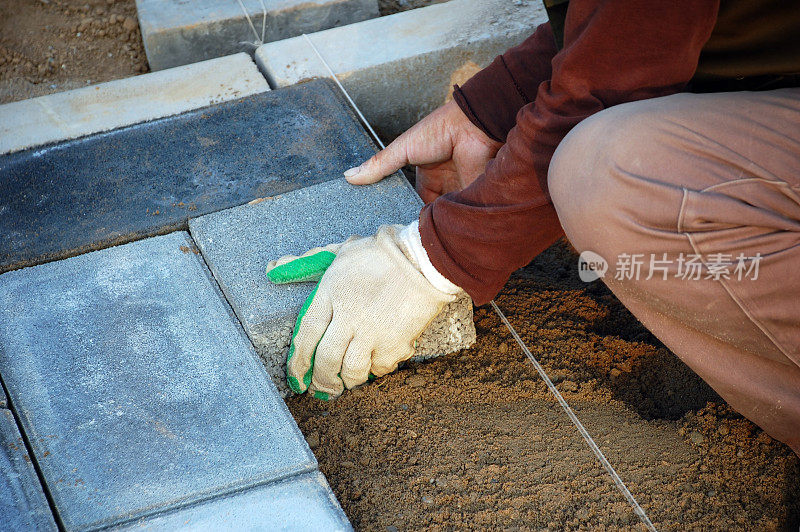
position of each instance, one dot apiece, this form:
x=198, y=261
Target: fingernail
x=353, y=171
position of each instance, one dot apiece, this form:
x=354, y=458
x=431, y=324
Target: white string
x=258, y=41
x=586, y=436
x=637, y=509
x=346, y=94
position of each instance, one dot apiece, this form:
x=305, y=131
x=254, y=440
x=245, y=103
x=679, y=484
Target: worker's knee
x=599, y=176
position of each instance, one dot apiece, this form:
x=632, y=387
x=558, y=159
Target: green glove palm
x=309, y=267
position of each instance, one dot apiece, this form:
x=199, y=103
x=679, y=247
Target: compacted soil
x=473, y=439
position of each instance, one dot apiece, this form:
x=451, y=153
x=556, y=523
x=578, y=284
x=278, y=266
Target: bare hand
x=449, y=151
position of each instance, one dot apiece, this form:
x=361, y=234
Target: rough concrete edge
x=45, y=106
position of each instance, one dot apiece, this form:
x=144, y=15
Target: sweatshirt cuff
x=411, y=237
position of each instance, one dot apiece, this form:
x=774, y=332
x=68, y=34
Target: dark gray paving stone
x=137, y=388
x=238, y=243
x=23, y=505
x=304, y=502
x=149, y=178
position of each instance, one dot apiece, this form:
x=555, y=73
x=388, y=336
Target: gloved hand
x=370, y=305
x=449, y=151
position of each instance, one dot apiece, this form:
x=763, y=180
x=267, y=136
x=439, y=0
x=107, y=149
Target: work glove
x=371, y=303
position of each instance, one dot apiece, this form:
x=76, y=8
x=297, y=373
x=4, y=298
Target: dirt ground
x=50, y=46
x=474, y=440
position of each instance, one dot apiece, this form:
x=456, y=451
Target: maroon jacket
x=530, y=97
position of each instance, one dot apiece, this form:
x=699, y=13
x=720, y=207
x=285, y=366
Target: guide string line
x=618, y=482
x=259, y=40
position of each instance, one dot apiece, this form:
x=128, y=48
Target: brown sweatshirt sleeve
x=492, y=97
x=615, y=51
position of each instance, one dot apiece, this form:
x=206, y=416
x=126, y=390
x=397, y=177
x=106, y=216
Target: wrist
x=410, y=236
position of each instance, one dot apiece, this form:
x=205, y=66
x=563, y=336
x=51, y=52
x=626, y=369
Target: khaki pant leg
x=715, y=176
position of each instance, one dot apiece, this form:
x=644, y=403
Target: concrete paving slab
x=237, y=244
x=149, y=178
x=177, y=33
x=135, y=385
x=304, y=502
x=411, y=59
x=76, y=113
x=22, y=502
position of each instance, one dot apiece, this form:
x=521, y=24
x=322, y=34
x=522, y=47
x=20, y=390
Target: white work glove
x=371, y=304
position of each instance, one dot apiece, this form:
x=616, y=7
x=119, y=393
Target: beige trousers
x=694, y=202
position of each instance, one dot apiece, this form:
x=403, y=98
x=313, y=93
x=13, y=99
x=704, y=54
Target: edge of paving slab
x=211, y=514
x=29, y=492
x=36, y=122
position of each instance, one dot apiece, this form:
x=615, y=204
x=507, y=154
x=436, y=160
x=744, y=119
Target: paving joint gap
x=228, y=304
x=34, y=462
x=120, y=241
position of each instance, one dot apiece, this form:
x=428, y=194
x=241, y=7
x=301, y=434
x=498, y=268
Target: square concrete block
x=304, y=502
x=23, y=505
x=76, y=113
x=135, y=385
x=147, y=179
x=401, y=67
x=238, y=243
x=176, y=32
